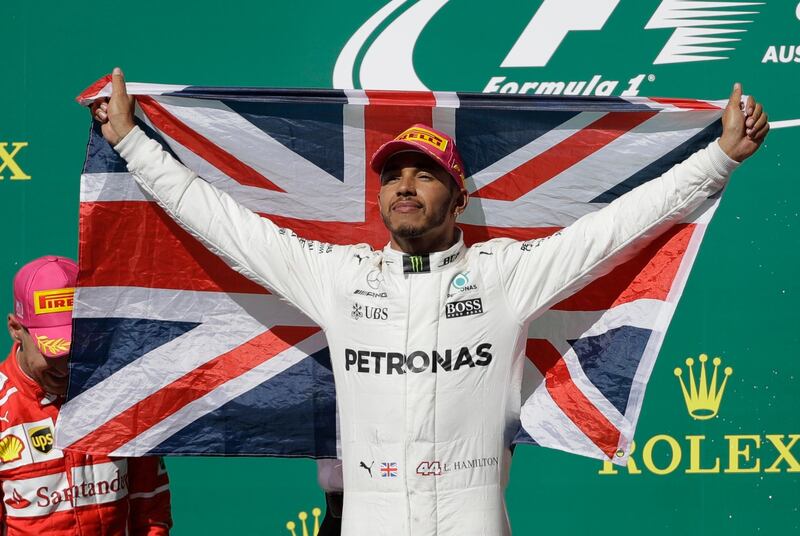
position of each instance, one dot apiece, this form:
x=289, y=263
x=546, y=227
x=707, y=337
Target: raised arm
x=299, y=270
x=542, y=272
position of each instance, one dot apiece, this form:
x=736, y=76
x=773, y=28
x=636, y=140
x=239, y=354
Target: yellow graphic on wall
x=702, y=401
x=697, y=454
x=8, y=161
x=303, y=517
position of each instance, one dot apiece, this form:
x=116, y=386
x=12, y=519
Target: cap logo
x=53, y=301
x=425, y=136
x=52, y=347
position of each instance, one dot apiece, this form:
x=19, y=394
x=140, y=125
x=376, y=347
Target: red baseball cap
x=427, y=140
x=43, y=298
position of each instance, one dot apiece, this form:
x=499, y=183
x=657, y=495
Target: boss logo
x=457, y=309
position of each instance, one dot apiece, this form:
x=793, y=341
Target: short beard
x=407, y=231
x=410, y=231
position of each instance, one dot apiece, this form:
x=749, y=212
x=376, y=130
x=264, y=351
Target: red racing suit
x=61, y=493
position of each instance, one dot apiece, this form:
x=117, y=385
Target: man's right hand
x=115, y=115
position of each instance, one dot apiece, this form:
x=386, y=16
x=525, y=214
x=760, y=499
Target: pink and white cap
x=44, y=290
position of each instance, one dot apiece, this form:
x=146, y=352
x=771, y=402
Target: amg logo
x=370, y=294
x=463, y=308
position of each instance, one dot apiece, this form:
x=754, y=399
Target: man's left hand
x=743, y=131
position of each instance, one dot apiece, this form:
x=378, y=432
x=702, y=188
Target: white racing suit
x=427, y=351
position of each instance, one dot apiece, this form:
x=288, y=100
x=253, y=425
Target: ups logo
x=41, y=438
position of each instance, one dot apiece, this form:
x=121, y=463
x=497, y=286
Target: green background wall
x=740, y=302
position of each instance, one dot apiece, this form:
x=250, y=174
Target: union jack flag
x=389, y=469
x=175, y=353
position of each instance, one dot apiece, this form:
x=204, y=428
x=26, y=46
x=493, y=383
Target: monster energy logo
x=416, y=264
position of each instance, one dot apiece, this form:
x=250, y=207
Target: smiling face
x=51, y=373
x=419, y=201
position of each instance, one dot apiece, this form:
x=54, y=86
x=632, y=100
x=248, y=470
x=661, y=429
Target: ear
x=15, y=328
x=462, y=199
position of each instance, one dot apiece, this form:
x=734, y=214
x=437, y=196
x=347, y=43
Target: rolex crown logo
x=303, y=517
x=702, y=401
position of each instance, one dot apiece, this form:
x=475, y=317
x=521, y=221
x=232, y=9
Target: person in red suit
x=46, y=490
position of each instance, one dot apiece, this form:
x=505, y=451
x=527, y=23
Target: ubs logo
x=367, y=311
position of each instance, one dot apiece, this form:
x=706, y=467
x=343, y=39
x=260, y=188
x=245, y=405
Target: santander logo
x=17, y=501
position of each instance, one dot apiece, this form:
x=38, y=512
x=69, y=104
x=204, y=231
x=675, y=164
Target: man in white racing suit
x=426, y=336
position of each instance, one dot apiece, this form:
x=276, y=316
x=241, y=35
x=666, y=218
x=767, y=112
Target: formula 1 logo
x=704, y=30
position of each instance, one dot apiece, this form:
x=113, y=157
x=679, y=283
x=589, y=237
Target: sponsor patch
x=370, y=294
x=53, y=301
x=17, y=501
x=461, y=283
x=367, y=468
x=425, y=136
x=375, y=279
x=448, y=260
x=41, y=438
x=416, y=264
x=461, y=308
x=449, y=360
x=367, y=311
x=389, y=469
x=11, y=448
